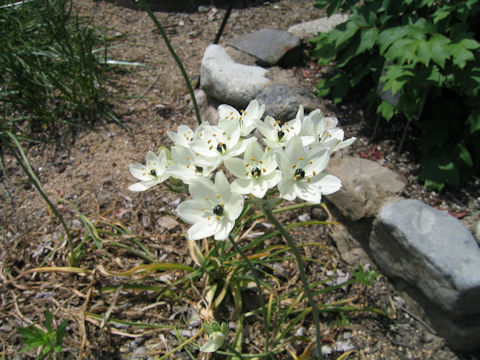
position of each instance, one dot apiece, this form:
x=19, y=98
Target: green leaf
x=464, y=155
x=437, y=170
x=390, y=36
x=460, y=55
x=442, y=13
x=365, y=277
x=439, y=48
x=343, y=32
x=396, y=76
x=48, y=320
x=473, y=121
x=423, y=52
x=386, y=109
x=403, y=51
x=368, y=37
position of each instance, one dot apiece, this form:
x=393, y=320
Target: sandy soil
x=87, y=172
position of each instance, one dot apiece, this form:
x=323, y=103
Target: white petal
x=308, y=192
x=243, y=186
x=202, y=229
x=328, y=184
x=287, y=189
x=139, y=171
x=234, y=206
x=225, y=112
x=224, y=226
x=152, y=160
x=142, y=185
x=202, y=188
x=236, y=166
x=222, y=186
x=190, y=211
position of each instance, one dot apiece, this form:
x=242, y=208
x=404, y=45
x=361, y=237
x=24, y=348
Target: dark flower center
x=221, y=147
x=218, y=210
x=280, y=134
x=153, y=173
x=299, y=173
x=256, y=172
x=199, y=169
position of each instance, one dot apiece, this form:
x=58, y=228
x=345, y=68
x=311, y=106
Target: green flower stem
x=150, y=13
x=269, y=215
x=23, y=161
x=266, y=325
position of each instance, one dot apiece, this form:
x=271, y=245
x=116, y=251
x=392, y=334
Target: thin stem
x=260, y=295
x=23, y=162
x=175, y=57
x=224, y=22
x=269, y=214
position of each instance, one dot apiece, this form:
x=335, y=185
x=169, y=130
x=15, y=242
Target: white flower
x=213, y=208
x=151, y=174
x=215, y=342
x=277, y=135
x=182, y=137
x=327, y=135
x=228, y=114
x=333, y=140
x=302, y=173
x=185, y=165
x=256, y=172
x=214, y=144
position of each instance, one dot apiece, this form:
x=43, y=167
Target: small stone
x=282, y=102
x=366, y=186
x=230, y=82
x=167, y=222
x=203, y=9
x=310, y=29
x=270, y=47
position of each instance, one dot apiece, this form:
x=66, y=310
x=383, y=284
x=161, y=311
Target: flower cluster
x=290, y=156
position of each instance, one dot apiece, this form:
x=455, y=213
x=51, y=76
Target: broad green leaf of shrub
x=403, y=51
x=396, y=76
x=437, y=171
x=368, y=37
x=389, y=36
x=343, y=32
x=386, y=109
x=474, y=121
x=438, y=47
x=461, y=55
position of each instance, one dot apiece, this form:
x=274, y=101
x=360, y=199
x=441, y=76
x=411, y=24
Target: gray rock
x=435, y=258
x=310, y=29
x=230, y=82
x=366, y=186
x=282, y=102
x=349, y=248
x=270, y=47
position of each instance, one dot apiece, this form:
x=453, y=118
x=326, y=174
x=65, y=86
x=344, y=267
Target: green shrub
x=424, y=53
x=49, y=72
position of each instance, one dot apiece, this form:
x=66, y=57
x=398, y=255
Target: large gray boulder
x=230, y=82
x=436, y=260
